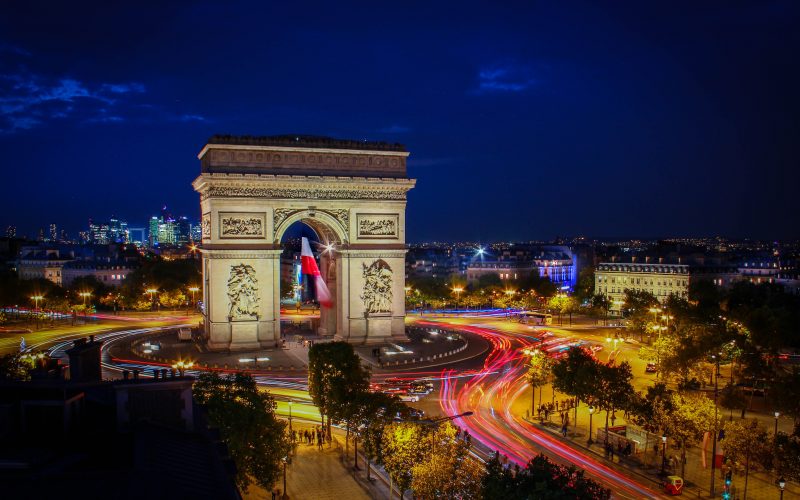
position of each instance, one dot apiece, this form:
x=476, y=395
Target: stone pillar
x=372, y=292
x=327, y=315
x=226, y=328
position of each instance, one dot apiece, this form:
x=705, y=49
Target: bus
x=535, y=318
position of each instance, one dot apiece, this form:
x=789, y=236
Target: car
x=650, y=368
x=409, y=398
x=184, y=334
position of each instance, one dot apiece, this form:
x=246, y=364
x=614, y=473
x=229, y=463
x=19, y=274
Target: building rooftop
x=305, y=141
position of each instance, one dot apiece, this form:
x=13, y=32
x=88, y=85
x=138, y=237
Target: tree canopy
x=245, y=416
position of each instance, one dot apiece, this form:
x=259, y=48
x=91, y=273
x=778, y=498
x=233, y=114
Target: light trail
x=490, y=395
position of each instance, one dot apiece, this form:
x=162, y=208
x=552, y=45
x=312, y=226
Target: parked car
x=184, y=334
x=650, y=368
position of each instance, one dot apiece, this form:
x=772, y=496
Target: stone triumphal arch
x=352, y=193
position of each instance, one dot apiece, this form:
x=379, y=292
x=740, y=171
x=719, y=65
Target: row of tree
x=170, y=280
x=429, y=457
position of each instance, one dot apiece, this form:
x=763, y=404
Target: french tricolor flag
x=308, y=266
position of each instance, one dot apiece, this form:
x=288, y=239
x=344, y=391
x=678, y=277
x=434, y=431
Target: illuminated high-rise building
x=53, y=233
x=11, y=232
x=152, y=240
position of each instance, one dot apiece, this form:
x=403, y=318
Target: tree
x=662, y=348
x=747, y=444
x=686, y=419
x=600, y=305
x=785, y=394
x=540, y=479
x=613, y=388
x=449, y=471
x=538, y=375
x=245, y=416
x=559, y=304
x=404, y=444
x=335, y=375
x=584, y=288
x=577, y=374
x=787, y=456
x=375, y=411
x=16, y=366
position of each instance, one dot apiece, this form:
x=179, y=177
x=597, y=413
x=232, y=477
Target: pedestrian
x=564, y=430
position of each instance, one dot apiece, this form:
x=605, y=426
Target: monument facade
x=351, y=193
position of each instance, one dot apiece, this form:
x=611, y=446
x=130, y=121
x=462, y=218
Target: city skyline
x=522, y=122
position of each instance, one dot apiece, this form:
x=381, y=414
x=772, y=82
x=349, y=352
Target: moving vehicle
x=650, y=368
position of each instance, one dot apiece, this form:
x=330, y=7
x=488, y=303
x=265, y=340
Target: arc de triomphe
x=352, y=193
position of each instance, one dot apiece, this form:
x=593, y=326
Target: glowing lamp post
x=194, y=290
x=85, y=295
x=458, y=291
x=152, y=292
x=591, y=414
x=36, y=299
x=781, y=485
x=663, y=453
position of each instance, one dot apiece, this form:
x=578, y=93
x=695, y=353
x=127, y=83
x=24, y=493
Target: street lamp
x=36, y=299
x=84, y=295
x=152, y=292
x=458, y=291
x=663, y=452
x=194, y=290
x=285, y=460
x=591, y=413
x=782, y=485
x=777, y=414
x=290, y=416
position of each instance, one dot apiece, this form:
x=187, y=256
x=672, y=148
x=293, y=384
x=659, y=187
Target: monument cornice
x=300, y=187
x=240, y=147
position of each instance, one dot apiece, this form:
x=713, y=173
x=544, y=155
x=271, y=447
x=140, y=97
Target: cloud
x=192, y=118
x=394, y=129
x=29, y=100
x=123, y=88
x=504, y=79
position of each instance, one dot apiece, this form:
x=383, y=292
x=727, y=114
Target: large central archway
x=352, y=194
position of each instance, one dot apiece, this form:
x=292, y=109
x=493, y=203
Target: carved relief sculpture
x=281, y=214
x=241, y=225
x=377, y=295
x=243, y=292
x=205, y=226
x=377, y=226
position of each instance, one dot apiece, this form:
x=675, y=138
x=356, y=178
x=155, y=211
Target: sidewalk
x=315, y=474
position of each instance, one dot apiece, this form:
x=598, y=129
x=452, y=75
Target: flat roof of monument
x=305, y=141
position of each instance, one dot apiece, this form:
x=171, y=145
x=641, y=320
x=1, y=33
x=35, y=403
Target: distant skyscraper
x=197, y=233
x=41, y=235
x=184, y=228
x=64, y=236
x=53, y=233
x=98, y=233
x=11, y=232
x=118, y=230
x=153, y=232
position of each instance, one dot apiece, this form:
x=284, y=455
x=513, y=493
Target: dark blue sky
x=525, y=120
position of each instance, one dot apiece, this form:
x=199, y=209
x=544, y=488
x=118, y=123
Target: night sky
x=525, y=120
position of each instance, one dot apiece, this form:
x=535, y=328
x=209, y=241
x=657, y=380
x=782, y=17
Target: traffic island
x=165, y=348
x=425, y=346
